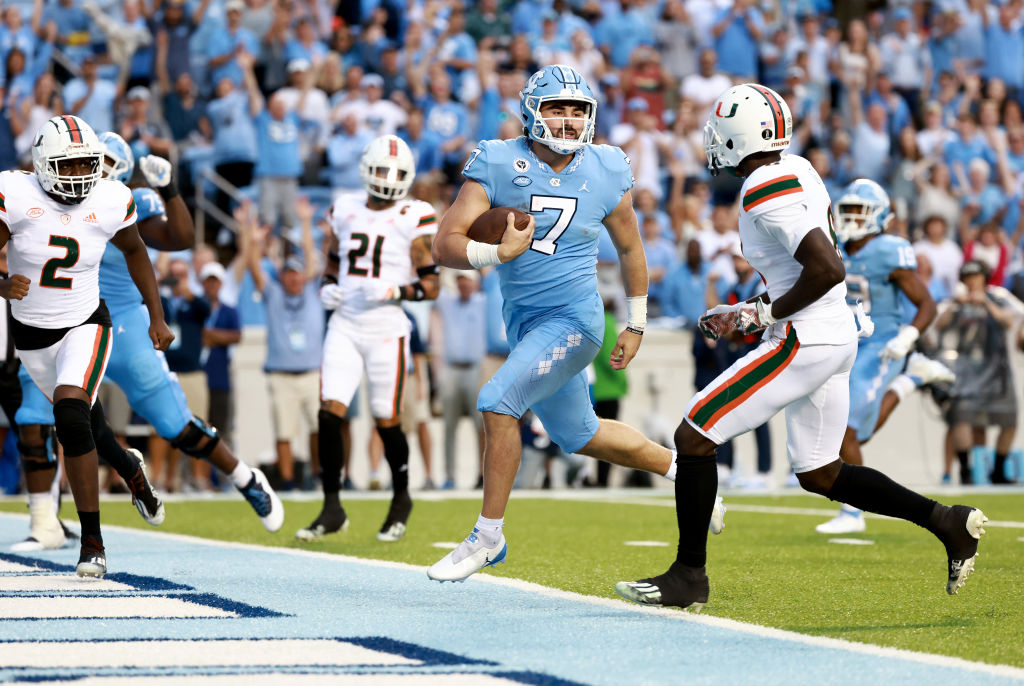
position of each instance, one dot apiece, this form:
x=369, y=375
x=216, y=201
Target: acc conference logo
x=522, y=181
x=34, y=212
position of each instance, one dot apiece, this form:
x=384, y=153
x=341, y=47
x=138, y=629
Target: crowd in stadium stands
x=279, y=97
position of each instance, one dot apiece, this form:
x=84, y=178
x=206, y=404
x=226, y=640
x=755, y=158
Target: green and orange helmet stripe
x=73, y=129
x=778, y=117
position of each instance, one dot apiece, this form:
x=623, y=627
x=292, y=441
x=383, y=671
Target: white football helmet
x=387, y=168
x=746, y=119
x=60, y=140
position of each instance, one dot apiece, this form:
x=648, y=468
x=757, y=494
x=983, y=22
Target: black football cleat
x=680, y=586
x=398, y=514
x=960, y=529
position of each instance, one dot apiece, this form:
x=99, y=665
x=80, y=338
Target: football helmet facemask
x=558, y=82
x=59, y=142
x=746, y=119
x=387, y=168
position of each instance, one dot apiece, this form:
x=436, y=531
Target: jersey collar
x=577, y=159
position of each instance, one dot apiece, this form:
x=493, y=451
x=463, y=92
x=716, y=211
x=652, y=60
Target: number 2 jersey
x=558, y=274
x=867, y=281
x=59, y=247
x=781, y=203
x=117, y=288
x=374, y=249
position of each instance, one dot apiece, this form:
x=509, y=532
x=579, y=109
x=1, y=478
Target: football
x=490, y=226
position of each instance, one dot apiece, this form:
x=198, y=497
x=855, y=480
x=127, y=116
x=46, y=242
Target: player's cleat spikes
x=45, y=530
x=680, y=586
x=398, y=514
x=717, y=523
x=843, y=523
x=924, y=370
x=263, y=499
x=470, y=557
x=144, y=496
x=960, y=528
x=92, y=561
x=331, y=520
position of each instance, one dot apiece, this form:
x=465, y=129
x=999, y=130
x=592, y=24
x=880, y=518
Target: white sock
x=35, y=499
x=241, y=475
x=902, y=385
x=489, y=529
x=671, y=473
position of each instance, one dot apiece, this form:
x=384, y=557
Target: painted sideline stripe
x=517, y=584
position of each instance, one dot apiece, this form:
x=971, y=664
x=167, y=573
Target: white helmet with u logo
x=746, y=120
x=60, y=140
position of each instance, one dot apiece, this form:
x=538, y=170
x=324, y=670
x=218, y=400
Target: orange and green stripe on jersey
x=3, y=203
x=400, y=381
x=745, y=382
x=427, y=220
x=131, y=210
x=769, y=190
x=99, y=357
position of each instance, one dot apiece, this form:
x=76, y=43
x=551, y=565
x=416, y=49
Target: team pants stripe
x=99, y=359
x=745, y=382
x=400, y=381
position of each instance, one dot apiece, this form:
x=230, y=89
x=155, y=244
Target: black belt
x=463, y=365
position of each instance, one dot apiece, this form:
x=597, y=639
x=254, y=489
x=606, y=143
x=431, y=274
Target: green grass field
x=769, y=569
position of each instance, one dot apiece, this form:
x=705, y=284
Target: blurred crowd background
x=264, y=106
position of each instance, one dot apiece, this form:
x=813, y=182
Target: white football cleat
x=924, y=370
x=45, y=531
x=470, y=557
x=843, y=523
x=263, y=499
x=717, y=523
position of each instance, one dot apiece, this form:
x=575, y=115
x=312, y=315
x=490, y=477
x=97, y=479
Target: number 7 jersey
x=59, y=247
x=374, y=249
x=782, y=203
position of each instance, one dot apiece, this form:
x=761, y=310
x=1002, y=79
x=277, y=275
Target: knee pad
x=189, y=440
x=74, y=426
x=36, y=458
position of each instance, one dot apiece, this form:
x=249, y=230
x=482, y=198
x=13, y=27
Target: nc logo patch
x=555, y=182
x=520, y=165
x=522, y=181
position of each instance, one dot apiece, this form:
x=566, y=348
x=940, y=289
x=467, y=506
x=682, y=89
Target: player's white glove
x=865, y=327
x=718, y=321
x=331, y=296
x=157, y=171
x=901, y=344
x=754, y=317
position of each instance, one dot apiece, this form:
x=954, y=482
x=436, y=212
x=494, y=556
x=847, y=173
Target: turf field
x=769, y=567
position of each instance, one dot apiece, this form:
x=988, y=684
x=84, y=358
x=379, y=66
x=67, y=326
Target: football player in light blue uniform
x=553, y=314
x=879, y=268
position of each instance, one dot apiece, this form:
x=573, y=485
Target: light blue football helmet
x=557, y=82
x=119, y=151
x=862, y=210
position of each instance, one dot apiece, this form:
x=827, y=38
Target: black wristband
x=638, y=332
x=417, y=292
x=169, y=191
x=429, y=270
x=333, y=256
x=328, y=279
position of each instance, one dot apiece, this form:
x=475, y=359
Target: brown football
x=490, y=226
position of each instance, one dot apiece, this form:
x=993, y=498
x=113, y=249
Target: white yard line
x=719, y=622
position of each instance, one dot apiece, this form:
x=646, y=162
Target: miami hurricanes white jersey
x=374, y=247
x=781, y=204
x=59, y=247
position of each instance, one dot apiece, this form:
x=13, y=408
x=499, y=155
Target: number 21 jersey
x=59, y=247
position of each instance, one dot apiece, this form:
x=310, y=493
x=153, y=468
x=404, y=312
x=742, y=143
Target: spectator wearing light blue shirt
x=982, y=201
x=685, y=288
x=871, y=141
x=425, y=145
x=447, y=119
x=14, y=35
x=305, y=45
x=618, y=34
x=456, y=49
x=224, y=46
x=968, y=144
x=736, y=33
x=1004, y=51
x=91, y=97
x=234, y=137
x=526, y=16
x=73, y=26
x=661, y=261
x=344, y=150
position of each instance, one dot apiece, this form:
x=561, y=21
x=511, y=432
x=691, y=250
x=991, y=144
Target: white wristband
x=636, y=312
x=482, y=254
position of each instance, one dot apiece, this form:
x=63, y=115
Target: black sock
x=872, y=491
x=332, y=453
x=90, y=522
x=396, y=451
x=962, y=458
x=696, y=488
x=110, y=451
x=1000, y=463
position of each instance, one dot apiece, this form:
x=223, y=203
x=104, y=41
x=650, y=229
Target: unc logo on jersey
x=555, y=182
x=521, y=165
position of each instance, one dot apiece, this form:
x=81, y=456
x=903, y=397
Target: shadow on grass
x=948, y=622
